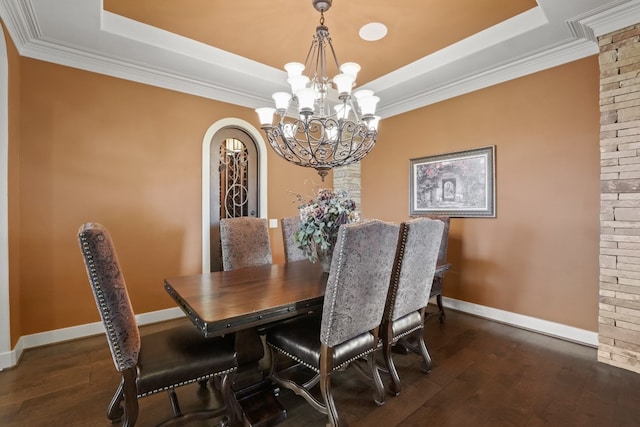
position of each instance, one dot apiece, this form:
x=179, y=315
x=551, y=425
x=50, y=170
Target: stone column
x=619, y=309
x=348, y=178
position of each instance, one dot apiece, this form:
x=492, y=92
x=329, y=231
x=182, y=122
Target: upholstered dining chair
x=436, y=288
x=152, y=363
x=244, y=242
x=290, y=226
x=410, y=289
x=347, y=330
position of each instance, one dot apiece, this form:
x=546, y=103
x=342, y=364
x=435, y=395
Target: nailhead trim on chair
x=101, y=300
x=396, y=278
x=317, y=370
x=206, y=377
x=336, y=278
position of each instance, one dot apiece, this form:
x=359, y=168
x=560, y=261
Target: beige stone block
x=629, y=175
x=618, y=140
x=618, y=126
x=606, y=321
x=625, y=296
x=629, y=245
x=605, y=40
x=608, y=244
x=626, y=358
x=627, y=231
x=629, y=284
x=608, y=117
x=624, y=34
x=625, y=365
x=618, y=154
x=607, y=100
x=626, y=132
x=629, y=260
x=607, y=307
x=628, y=311
x=617, y=333
x=607, y=87
x=627, y=325
x=626, y=92
x=609, y=71
x=628, y=51
x=627, y=214
x=608, y=162
x=604, y=357
x=629, y=196
x=605, y=340
x=621, y=224
x=616, y=252
x=608, y=196
x=608, y=279
x=606, y=213
x=630, y=65
x=607, y=57
x=621, y=203
x=631, y=142
x=607, y=293
x=627, y=95
x=627, y=114
x=626, y=267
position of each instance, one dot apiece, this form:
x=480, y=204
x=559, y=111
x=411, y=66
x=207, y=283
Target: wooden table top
x=228, y=301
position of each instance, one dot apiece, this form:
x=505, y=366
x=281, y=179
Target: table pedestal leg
x=254, y=392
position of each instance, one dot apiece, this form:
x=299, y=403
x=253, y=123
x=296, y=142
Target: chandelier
x=320, y=124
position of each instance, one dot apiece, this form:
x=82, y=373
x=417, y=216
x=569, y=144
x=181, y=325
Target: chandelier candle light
x=324, y=131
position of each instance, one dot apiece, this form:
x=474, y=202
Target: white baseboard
x=558, y=330
x=11, y=358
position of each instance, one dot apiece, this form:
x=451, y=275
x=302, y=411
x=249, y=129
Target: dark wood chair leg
x=325, y=389
x=441, y=314
x=115, y=411
x=130, y=397
x=378, y=397
x=391, y=369
x=425, y=354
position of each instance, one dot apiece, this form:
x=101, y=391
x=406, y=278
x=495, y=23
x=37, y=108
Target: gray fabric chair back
x=358, y=281
x=415, y=264
x=290, y=226
x=244, y=242
x=442, y=252
x=110, y=292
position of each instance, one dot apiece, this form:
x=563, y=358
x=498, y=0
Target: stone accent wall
x=619, y=313
x=348, y=178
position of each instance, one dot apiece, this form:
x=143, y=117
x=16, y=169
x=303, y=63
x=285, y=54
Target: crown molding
x=109, y=44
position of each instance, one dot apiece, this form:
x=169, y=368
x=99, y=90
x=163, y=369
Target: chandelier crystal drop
x=321, y=124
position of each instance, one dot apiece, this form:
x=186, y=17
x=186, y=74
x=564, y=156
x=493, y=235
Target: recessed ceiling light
x=373, y=31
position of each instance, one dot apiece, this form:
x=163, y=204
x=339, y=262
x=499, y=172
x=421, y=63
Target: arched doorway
x=213, y=144
x=233, y=183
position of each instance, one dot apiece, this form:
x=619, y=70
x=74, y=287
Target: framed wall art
x=460, y=184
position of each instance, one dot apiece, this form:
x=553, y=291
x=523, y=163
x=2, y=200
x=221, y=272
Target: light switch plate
x=273, y=223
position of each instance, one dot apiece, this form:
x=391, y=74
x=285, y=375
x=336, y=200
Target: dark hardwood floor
x=484, y=374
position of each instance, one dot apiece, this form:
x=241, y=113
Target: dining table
x=245, y=302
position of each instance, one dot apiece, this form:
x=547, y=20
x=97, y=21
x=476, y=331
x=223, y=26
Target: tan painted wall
x=96, y=148
x=539, y=256
x=14, y=186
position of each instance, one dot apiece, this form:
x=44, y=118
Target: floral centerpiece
x=320, y=219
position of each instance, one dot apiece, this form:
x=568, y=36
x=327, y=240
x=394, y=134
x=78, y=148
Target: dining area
x=267, y=323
